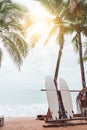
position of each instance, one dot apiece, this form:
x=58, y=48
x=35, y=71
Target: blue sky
x=40, y=62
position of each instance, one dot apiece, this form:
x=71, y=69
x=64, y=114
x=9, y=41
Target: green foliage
x=0, y=56
x=75, y=43
x=34, y=39
x=52, y=31
x=69, y=18
x=85, y=54
x=11, y=30
x=54, y=6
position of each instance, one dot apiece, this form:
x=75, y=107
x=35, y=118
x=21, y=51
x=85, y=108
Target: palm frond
x=3, y=25
x=53, y=6
x=20, y=43
x=52, y=31
x=12, y=25
x=7, y=5
x=12, y=50
x=85, y=53
x=12, y=16
x=35, y=39
x=1, y=54
x=9, y=11
x=84, y=31
x=75, y=43
x=84, y=59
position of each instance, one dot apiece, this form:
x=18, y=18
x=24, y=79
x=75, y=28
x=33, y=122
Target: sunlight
x=41, y=23
x=40, y=11
x=40, y=27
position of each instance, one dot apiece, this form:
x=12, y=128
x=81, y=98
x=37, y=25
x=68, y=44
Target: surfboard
x=66, y=98
x=52, y=98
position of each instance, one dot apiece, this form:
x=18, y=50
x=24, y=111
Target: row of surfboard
x=52, y=97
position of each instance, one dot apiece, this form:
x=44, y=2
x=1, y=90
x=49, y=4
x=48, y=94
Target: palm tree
x=78, y=18
x=79, y=22
x=12, y=20
x=75, y=16
x=58, y=9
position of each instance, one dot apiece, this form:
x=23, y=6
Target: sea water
x=22, y=102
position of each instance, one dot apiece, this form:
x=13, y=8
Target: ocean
x=22, y=102
x=20, y=93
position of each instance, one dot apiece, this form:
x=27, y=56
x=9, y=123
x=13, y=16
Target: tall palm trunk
x=59, y=57
x=81, y=60
x=61, y=107
x=58, y=64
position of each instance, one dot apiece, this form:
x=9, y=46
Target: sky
x=41, y=61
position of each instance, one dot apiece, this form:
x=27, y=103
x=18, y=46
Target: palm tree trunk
x=59, y=60
x=61, y=107
x=81, y=60
x=58, y=64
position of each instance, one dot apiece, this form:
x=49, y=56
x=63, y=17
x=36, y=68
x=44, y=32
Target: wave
x=23, y=110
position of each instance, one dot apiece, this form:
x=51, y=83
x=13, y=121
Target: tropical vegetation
x=13, y=18
x=70, y=16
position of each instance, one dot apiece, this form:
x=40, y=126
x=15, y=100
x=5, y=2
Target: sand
x=27, y=123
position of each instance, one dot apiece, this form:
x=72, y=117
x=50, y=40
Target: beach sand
x=27, y=123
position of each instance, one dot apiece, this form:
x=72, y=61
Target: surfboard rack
x=66, y=119
x=42, y=117
x=66, y=122
x=63, y=90
x=70, y=119
x=63, y=124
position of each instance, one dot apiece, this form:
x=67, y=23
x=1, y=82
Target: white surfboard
x=52, y=97
x=66, y=98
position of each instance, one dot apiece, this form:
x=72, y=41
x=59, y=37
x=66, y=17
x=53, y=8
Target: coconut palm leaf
x=35, y=39
x=1, y=56
x=75, y=43
x=54, y=6
x=84, y=31
x=52, y=31
x=12, y=30
x=85, y=54
x=12, y=50
x=20, y=43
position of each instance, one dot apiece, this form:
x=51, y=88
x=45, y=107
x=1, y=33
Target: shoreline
x=30, y=123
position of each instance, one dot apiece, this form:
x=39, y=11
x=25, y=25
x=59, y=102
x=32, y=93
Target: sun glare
x=41, y=19
x=40, y=11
